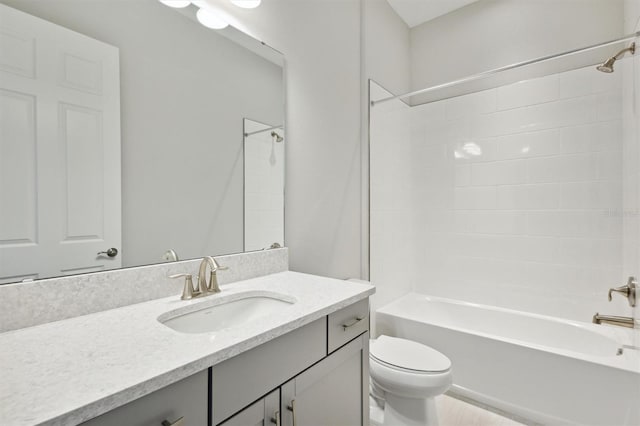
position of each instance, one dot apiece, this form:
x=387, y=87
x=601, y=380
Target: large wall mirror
x=128, y=135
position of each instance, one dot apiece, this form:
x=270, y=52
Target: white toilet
x=406, y=376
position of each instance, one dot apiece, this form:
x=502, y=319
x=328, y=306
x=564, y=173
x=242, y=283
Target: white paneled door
x=59, y=150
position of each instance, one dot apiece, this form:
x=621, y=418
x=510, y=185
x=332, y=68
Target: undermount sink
x=239, y=309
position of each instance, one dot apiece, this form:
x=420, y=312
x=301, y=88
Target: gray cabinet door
x=334, y=392
x=238, y=381
x=186, y=399
x=261, y=413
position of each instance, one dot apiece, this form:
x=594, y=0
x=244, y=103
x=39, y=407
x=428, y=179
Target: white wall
x=493, y=33
x=386, y=46
x=321, y=42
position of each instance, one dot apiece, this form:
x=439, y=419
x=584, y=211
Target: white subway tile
x=540, y=170
x=499, y=222
x=527, y=145
x=568, y=112
x=591, y=195
x=511, y=197
x=609, y=106
x=606, y=224
x=608, y=165
x=472, y=150
x=610, y=83
x=566, y=168
x=498, y=173
x=434, y=111
x=463, y=174
x=578, y=139
x=576, y=83
x=438, y=198
x=432, y=156
x=539, y=249
x=574, y=167
x=471, y=104
x=589, y=251
x=530, y=92
x=462, y=221
x=560, y=224
x=587, y=80
x=475, y=198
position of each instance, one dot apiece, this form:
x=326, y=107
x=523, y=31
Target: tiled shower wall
x=517, y=195
x=521, y=191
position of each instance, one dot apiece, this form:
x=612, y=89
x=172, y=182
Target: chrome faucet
x=628, y=291
x=211, y=286
x=203, y=288
x=613, y=320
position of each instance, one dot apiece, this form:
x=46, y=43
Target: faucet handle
x=216, y=266
x=187, y=291
x=629, y=291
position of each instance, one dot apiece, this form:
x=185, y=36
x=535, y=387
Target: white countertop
x=69, y=371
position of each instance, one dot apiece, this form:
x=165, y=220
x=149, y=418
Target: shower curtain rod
x=263, y=130
x=507, y=68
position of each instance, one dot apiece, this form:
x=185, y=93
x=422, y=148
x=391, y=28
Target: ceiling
x=416, y=12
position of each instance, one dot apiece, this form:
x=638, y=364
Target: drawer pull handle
x=276, y=418
x=292, y=408
x=351, y=323
x=179, y=422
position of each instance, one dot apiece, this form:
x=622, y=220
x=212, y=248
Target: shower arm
x=246, y=135
x=631, y=49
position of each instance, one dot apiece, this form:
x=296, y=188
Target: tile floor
x=454, y=412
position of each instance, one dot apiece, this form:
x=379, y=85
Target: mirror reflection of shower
x=275, y=137
x=264, y=153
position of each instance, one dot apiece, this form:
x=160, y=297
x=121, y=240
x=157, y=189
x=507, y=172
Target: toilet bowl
x=406, y=376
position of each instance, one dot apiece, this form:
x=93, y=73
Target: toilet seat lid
x=408, y=355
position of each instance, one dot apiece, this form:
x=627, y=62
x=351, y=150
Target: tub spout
x=613, y=320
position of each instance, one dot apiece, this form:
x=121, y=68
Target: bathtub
x=538, y=368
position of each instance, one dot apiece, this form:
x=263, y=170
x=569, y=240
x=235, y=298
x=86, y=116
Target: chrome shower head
x=276, y=137
x=607, y=66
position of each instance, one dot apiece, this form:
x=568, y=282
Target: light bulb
x=211, y=20
x=247, y=4
x=176, y=3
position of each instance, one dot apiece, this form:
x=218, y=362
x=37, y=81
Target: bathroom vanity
x=305, y=363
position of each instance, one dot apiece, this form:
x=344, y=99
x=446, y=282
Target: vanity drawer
x=187, y=398
x=238, y=381
x=347, y=323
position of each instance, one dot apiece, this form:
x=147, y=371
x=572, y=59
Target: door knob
x=112, y=252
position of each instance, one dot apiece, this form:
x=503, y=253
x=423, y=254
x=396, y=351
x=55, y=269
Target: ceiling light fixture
x=211, y=20
x=247, y=4
x=176, y=3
